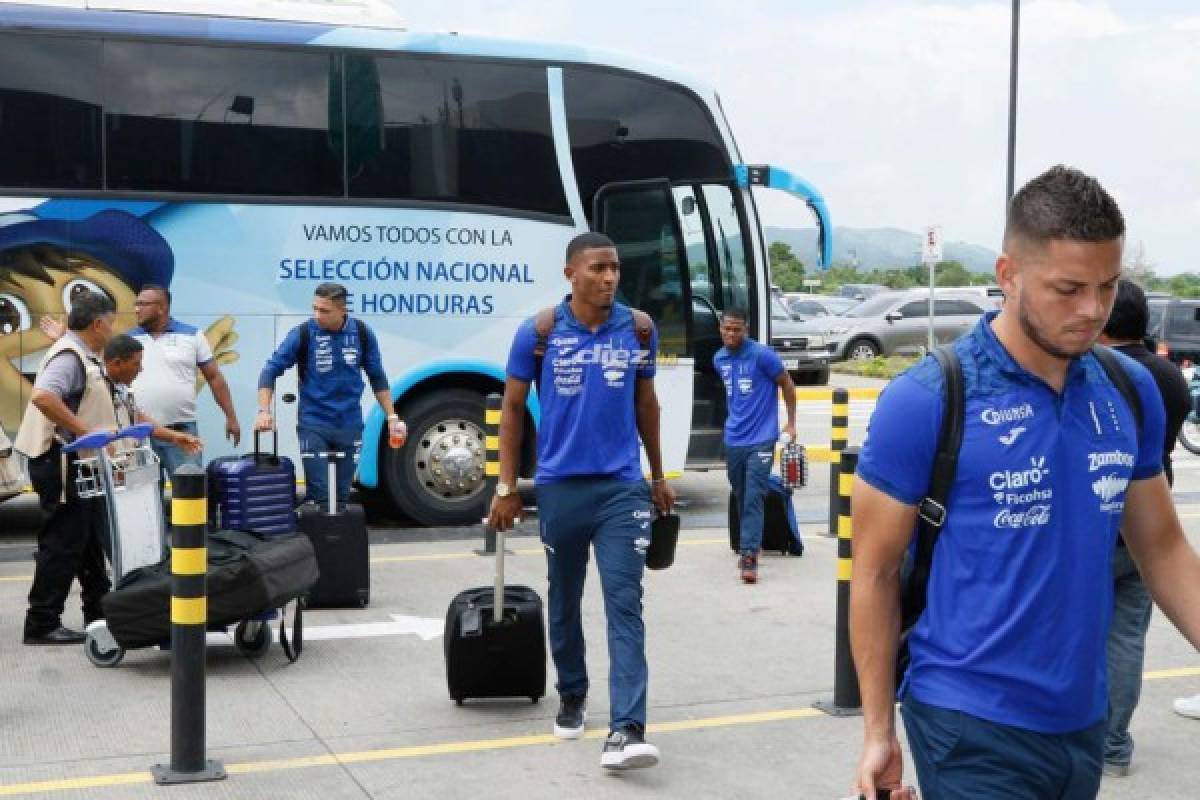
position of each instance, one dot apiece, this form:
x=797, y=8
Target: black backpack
x=931, y=512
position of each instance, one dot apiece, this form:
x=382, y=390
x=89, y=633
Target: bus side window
x=50, y=98
x=451, y=130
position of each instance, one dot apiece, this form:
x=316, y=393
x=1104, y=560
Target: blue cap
x=130, y=247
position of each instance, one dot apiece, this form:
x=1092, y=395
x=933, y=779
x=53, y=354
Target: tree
x=787, y=271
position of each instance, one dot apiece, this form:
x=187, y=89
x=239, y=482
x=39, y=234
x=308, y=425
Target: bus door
x=639, y=216
x=682, y=250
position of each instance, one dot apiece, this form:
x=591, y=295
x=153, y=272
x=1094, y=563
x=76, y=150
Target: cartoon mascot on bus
x=44, y=263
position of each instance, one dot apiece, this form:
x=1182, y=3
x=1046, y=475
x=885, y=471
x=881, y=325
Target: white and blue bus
x=438, y=176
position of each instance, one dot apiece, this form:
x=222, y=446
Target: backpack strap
x=1120, y=378
x=931, y=513
x=302, y=354
x=543, y=323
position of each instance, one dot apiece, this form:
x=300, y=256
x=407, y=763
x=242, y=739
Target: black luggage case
x=780, y=532
x=494, y=652
x=339, y=538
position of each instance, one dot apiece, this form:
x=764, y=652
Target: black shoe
x=626, y=749
x=59, y=635
x=572, y=713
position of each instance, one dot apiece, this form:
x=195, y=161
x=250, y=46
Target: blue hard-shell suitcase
x=254, y=492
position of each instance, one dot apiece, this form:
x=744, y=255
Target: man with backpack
x=1061, y=445
x=753, y=376
x=331, y=351
x=593, y=362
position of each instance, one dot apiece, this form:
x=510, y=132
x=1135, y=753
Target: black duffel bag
x=247, y=575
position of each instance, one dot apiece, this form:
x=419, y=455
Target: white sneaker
x=1188, y=706
x=626, y=749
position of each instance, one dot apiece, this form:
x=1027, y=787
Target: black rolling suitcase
x=496, y=651
x=781, y=531
x=339, y=538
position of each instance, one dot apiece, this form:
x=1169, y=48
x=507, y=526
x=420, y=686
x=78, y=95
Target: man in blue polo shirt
x=1005, y=695
x=331, y=351
x=753, y=375
x=596, y=390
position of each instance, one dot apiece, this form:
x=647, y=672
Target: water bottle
x=397, y=435
x=793, y=463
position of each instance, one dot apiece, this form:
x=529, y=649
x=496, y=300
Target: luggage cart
x=128, y=480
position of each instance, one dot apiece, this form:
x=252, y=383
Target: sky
x=898, y=109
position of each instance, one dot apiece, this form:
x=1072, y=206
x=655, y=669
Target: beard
x=1038, y=337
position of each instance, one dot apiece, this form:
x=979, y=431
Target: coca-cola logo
x=1024, y=518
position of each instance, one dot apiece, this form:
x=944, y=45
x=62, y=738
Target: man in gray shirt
x=71, y=397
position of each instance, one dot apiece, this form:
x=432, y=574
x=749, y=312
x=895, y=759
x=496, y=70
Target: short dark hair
x=1130, y=315
x=164, y=291
x=737, y=312
x=587, y=241
x=121, y=347
x=332, y=291
x=1063, y=203
x=86, y=308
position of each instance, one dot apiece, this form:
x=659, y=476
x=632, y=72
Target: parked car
x=807, y=306
x=896, y=323
x=861, y=291
x=803, y=353
x=1177, y=333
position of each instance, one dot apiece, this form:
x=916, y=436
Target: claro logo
x=1020, y=479
x=1001, y=416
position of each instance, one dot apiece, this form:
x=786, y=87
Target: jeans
x=316, y=469
x=748, y=469
x=613, y=517
x=172, y=457
x=1126, y=654
x=961, y=756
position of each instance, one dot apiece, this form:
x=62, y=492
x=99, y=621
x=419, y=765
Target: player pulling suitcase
x=593, y=362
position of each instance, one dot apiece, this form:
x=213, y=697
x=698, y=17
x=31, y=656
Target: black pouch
x=664, y=535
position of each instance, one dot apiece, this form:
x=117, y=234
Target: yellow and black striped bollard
x=491, y=464
x=838, y=437
x=846, y=699
x=189, y=623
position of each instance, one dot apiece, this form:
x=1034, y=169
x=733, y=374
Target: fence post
x=846, y=700
x=491, y=465
x=839, y=427
x=189, y=618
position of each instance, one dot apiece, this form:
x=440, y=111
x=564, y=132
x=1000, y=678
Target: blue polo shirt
x=1020, y=593
x=586, y=391
x=751, y=395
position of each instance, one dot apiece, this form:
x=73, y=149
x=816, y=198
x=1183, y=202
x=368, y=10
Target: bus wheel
x=436, y=478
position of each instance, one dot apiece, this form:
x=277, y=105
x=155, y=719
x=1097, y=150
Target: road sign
x=931, y=245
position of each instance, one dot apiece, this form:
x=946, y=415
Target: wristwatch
x=503, y=490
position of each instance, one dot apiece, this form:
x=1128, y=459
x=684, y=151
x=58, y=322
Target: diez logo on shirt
x=992, y=416
x=1115, y=458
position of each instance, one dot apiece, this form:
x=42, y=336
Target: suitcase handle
x=498, y=596
x=259, y=455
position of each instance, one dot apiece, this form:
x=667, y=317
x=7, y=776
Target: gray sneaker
x=626, y=749
x=572, y=714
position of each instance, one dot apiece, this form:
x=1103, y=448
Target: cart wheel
x=100, y=657
x=252, y=637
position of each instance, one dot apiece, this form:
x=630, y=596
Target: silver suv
x=895, y=323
